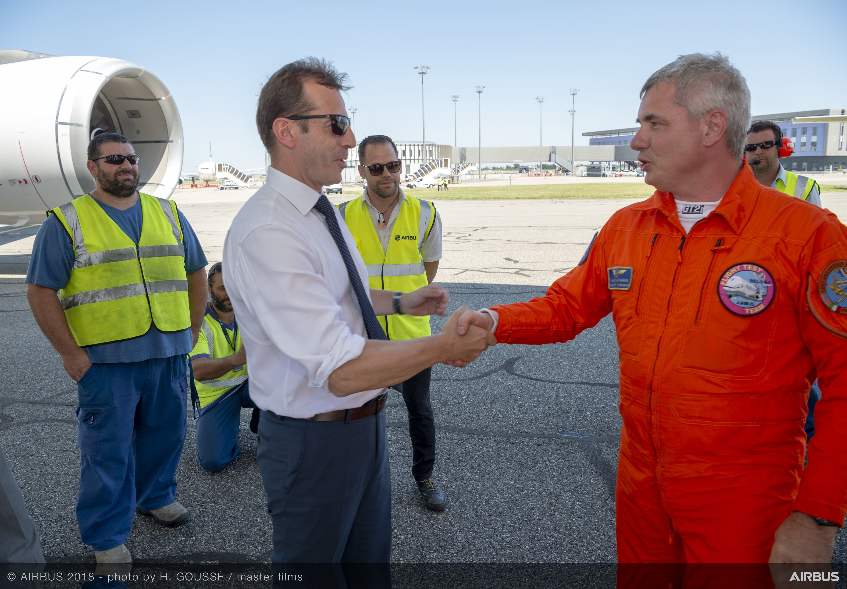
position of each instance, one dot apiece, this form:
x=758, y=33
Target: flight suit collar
x=735, y=207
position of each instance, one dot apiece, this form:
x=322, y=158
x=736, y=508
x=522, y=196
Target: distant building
x=817, y=146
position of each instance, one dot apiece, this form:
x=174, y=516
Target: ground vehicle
x=227, y=184
x=333, y=189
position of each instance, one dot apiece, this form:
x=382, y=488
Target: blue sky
x=215, y=56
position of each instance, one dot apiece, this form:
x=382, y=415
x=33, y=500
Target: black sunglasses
x=338, y=123
x=764, y=145
x=117, y=159
x=393, y=167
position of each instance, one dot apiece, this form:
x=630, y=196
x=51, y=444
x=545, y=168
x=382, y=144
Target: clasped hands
x=464, y=336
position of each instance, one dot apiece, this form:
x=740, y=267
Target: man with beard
x=117, y=283
x=220, y=380
x=764, y=139
x=399, y=237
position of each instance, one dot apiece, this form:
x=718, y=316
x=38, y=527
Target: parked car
x=227, y=184
x=333, y=189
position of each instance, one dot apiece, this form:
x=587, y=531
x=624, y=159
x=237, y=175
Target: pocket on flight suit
x=95, y=405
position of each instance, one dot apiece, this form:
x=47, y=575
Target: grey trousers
x=328, y=488
x=19, y=541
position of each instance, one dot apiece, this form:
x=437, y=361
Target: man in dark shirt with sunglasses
x=399, y=237
x=117, y=283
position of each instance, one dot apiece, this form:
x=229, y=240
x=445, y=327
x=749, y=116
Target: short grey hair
x=709, y=82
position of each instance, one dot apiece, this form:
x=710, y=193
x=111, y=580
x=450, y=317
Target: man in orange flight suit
x=729, y=299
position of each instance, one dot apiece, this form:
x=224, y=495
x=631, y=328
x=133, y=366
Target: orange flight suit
x=721, y=332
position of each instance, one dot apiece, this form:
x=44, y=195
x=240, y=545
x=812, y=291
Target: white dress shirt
x=297, y=312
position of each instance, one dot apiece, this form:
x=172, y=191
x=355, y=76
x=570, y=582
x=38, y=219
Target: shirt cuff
x=495, y=317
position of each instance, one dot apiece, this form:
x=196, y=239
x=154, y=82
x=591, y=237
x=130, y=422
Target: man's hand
x=427, y=300
x=800, y=540
x=76, y=363
x=473, y=320
x=239, y=358
x=461, y=350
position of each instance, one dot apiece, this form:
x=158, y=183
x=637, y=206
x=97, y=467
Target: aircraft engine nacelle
x=50, y=105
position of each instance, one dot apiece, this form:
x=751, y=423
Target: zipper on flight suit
x=644, y=274
x=658, y=350
x=715, y=249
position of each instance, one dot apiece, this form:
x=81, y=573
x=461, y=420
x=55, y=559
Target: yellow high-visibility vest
x=117, y=289
x=218, y=344
x=401, y=267
x=796, y=185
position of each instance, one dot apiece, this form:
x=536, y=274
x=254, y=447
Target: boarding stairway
x=230, y=172
x=425, y=170
x=462, y=168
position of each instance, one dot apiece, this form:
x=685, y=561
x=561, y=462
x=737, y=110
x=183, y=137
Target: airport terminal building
x=818, y=146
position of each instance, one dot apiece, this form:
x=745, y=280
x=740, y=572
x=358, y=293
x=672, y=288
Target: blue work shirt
x=53, y=259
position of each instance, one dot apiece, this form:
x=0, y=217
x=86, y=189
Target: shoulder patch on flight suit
x=620, y=277
x=746, y=289
x=832, y=286
x=827, y=297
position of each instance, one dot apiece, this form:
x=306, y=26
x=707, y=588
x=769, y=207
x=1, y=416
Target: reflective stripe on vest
x=116, y=289
x=211, y=390
x=797, y=186
x=400, y=267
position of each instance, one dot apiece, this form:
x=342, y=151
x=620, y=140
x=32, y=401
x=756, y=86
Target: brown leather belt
x=372, y=407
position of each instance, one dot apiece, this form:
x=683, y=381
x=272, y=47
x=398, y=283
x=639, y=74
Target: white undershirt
x=691, y=212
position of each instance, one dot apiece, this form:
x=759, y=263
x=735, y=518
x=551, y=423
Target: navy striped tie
x=374, y=329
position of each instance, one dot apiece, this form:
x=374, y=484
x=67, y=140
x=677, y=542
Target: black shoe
x=434, y=498
x=254, y=420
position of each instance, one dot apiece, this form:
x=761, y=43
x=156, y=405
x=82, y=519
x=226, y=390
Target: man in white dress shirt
x=318, y=369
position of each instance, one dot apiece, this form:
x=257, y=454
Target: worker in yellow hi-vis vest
x=764, y=142
x=117, y=283
x=220, y=388
x=399, y=237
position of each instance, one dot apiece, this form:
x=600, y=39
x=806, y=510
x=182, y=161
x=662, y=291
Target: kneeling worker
x=220, y=379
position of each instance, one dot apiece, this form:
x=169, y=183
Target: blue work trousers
x=131, y=422
x=328, y=489
x=217, y=428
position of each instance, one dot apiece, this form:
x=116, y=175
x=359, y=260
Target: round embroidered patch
x=746, y=289
x=833, y=287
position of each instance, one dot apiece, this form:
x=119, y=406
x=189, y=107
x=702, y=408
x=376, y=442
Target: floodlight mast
x=422, y=71
x=478, y=91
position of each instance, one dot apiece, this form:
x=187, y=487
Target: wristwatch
x=395, y=301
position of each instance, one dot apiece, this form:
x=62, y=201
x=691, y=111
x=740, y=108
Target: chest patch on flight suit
x=620, y=277
x=833, y=287
x=746, y=289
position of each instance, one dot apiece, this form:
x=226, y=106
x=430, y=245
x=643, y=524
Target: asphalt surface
x=527, y=437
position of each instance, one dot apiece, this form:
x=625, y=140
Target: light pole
x=573, y=112
x=478, y=91
x=353, y=112
x=540, y=101
x=455, y=99
x=422, y=71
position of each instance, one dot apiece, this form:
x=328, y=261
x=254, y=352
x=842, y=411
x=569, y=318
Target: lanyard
x=234, y=339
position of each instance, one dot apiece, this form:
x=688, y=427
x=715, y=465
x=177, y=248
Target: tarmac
x=527, y=437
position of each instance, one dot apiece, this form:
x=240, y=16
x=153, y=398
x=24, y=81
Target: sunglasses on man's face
x=751, y=147
x=117, y=159
x=393, y=167
x=338, y=123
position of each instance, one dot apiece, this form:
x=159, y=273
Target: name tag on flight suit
x=620, y=277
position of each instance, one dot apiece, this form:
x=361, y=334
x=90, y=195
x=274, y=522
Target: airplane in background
x=51, y=104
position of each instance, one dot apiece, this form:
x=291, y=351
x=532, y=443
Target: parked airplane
x=50, y=106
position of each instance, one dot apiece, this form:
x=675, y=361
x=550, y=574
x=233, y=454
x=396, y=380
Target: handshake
x=465, y=336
